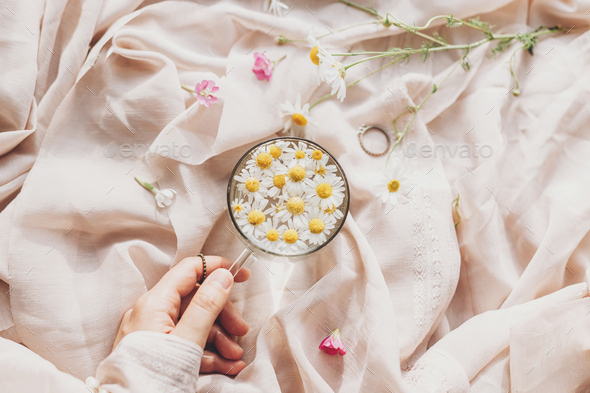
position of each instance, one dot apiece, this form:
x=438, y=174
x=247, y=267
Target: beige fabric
x=82, y=241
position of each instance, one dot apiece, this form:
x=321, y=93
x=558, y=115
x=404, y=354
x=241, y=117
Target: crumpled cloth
x=421, y=306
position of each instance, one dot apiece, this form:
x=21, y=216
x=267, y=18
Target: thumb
x=205, y=306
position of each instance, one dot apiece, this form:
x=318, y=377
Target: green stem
x=516, y=90
x=456, y=203
x=188, y=89
x=410, y=29
x=144, y=184
x=275, y=62
x=369, y=10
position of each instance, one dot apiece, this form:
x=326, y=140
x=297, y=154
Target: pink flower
x=204, y=90
x=262, y=66
x=333, y=344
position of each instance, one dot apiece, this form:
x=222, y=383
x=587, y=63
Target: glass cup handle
x=244, y=257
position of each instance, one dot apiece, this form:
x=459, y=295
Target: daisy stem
x=370, y=10
x=144, y=184
x=515, y=91
x=188, y=89
x=356, y=81
x=283, y=39
x=456, y=205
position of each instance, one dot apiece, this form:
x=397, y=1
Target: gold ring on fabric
x=364, y=128
x=204, y=268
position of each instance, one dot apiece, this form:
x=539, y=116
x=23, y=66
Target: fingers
x=212, y=362
x=225, y=344
x=205, y=306
x=231, y=319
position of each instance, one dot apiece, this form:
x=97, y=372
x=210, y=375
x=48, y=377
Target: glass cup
x=286, y=197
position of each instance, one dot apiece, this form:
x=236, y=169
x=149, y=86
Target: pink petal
x=212, y=100
x=215, y=89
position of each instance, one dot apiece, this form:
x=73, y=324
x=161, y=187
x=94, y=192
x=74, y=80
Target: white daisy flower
x=278, y=188
x=253, y=218
x=323, y=170
x=316, y=48
x=293, y=238
x=238, y=207
x=275, y=7
x=334, y=74
x=271, y=240
x=334, y=211
x=294, y=179
x=395, y=186
x=325, y=191
x=298, y=116
x=319, y=159
x=319, y=225
x=295, y=207
x=298, y=155
x=252, y=184
x=276, y=149
x=276, y=208
x=263, y=161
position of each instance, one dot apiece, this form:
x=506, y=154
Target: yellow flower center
x=299, y=154
x=317, y=155
x=295, y=205
x=299, y=119
x=252, y=184
x=393, y=186
x=272, y=235
x=324, y=190
x=330, y=210
x=313, y=55
x=321, y=171
x=290, y=236
x=275, y=151
x=256, y=217
x=264, y=161
x=238, y=208
x=316, y=226
x=297, y=173
x=279, y=181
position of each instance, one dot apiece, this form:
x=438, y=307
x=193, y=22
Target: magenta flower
x=204, y=90
x=333, y=344
x=263, y=66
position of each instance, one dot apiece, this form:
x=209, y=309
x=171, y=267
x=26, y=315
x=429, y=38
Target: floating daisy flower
x=271, y=240
x=395, y=186
x=298, y=116
x=294, y=179
x=252, y=184
x=263, y=161
x=319, y=224
x=238, y=207
x=325, y=191
x=275, y=208
x=293, y=238
x=334, y=74
x=334, y=211
x=253, y=218
x=278, y=183
x=298, y=155
x=275, y=7
x=323, y=170
x=277, y=148
x=318, y=161
x=295, y=207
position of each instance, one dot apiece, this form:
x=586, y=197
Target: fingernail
x=222, y=278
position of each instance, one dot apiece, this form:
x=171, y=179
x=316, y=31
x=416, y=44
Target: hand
x=175, y=305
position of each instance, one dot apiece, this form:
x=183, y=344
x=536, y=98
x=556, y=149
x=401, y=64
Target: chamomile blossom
x=275, y=7
x=334, y=211
x=316, y=48
x=394, y=186
x=298, y=116
x=294, y=178
x=277, y=148
x=270, y=229
x=298, y=155
x=334, y=74
x=253, y=218
x=293, y=238
x=238, y=207
x=263, y=161
x=279, y=181
x=252, y=184
x=324, y=191
x=319, y=225
x=318, y=159
x=323, y=170
x=295, y=207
